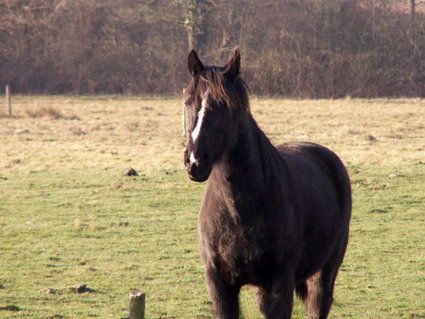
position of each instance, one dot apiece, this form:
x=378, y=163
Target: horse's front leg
x=277, y=302
x=223, y=294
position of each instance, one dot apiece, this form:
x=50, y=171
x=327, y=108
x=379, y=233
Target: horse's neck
x=251, y=165
x=265, y=159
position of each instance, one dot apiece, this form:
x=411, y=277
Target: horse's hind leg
x=314, y=296
x=320, y=287
x=327, y=280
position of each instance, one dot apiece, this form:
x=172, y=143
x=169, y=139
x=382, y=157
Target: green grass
x=69, y=216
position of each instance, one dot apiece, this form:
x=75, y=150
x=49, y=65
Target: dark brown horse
x=273, y=217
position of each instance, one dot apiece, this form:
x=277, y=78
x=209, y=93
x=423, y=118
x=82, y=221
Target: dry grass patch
x=3, y=114
x=44, y=111
x=48, y=111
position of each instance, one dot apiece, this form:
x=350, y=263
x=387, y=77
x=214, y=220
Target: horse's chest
x=239, y=252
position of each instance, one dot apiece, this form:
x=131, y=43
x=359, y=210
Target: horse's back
x=301, y=154
x=312, y=151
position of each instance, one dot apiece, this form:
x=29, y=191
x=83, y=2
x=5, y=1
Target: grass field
x=69, y=217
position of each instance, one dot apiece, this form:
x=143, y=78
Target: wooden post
x=184, y=118
x=8, y=99
x=137, y=305
x=412, y=11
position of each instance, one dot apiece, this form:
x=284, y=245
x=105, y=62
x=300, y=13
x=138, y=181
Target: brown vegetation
x=42, y=111
x=298, y=48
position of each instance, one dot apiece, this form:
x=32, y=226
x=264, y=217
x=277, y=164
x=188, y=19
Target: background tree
x=300, y=48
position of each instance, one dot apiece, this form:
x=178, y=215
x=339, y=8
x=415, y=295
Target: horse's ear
x=233, y=66
x=194, y=64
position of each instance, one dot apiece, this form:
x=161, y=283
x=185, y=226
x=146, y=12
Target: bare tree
x=302, y=48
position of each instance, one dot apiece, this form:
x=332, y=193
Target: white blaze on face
x=192, y=159
x=197, y=130
x=201, y=115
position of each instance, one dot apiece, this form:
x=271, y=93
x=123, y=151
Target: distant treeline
x=296, y=48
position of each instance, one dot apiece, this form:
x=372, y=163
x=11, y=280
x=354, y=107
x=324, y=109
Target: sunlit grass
x=69, y=216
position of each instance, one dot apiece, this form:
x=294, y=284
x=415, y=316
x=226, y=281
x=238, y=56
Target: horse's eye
x=188, y=101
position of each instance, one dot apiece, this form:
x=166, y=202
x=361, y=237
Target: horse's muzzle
x=197, y=175
x=198, y=170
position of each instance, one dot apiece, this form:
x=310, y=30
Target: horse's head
x=215, y=101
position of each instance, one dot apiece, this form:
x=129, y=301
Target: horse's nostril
x=195, y=161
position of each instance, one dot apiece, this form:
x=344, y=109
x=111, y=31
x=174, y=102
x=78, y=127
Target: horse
x=274, y=217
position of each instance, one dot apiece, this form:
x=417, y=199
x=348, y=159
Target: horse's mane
x=233, y=93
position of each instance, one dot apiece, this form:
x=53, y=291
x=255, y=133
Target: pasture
x=70, y=217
